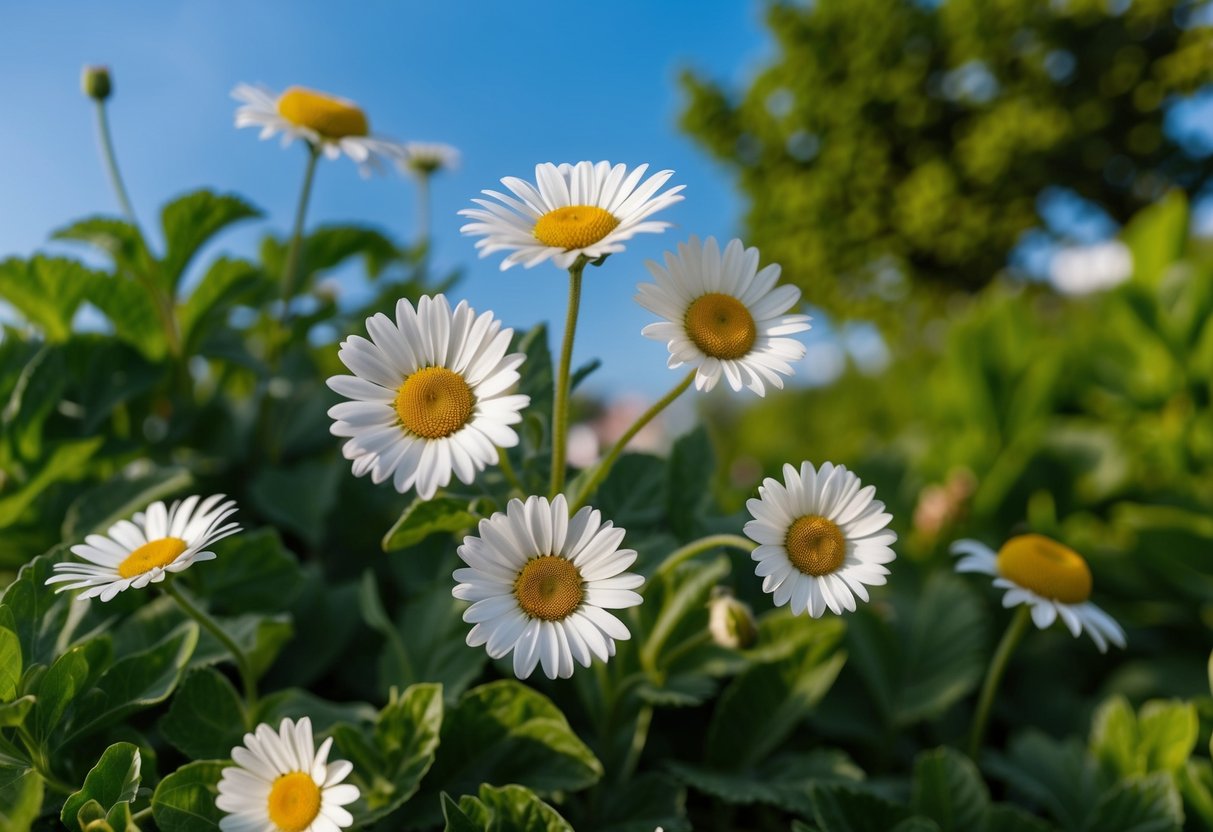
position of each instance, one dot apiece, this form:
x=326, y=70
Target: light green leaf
x=39, y=616
x=114, y=779
x=67, y=461
x=510, y=809
x=185, y=800
x=189, y=222
x=64, y=681
x=10, y=655
x=226, y=284
x=1114, y=737
x=423, y=518
x=131, y=310
x=783, y=780
x=949, y=789
x=1157, y=236
x=120, y=497
x=46, y=290
x=206, y=718
x=20, y=799
x=114, y=237
x=1168, y=734
x=13, y=713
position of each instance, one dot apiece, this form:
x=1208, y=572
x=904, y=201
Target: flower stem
x=998, y=666
x=640, y=735
x=423, y=211
x=695, y=547
x=507, y=470
x=294, y=254
x=560, y=407
x=247, y=678
x=111, y=163
x=603, y=467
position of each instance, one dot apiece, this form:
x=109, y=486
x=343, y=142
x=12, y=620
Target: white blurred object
x=1082, y=270
x=582, y=446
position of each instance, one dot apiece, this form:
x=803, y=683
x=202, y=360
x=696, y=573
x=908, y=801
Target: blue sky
x=509, y=83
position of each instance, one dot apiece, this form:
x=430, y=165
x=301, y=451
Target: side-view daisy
x=429, y=395
x=571, y=211
x=1050, y=577
x=723, y=315
x=541, y=583
x=821, y=538
x=332, y=124
x=282, y=783
x=426, y=158
x=142, y=550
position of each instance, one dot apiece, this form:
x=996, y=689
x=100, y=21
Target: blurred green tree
x=894, y=145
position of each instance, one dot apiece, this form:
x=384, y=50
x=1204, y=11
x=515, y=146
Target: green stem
x=507, y=470
x=998, y=666
x=111, y=163
x=640, y=735
x=603, y=467
x=142, y=815
x=560, y=407
x=294, y=254
x=247, y=678
x=423, y=212
x=695, y=547
x=41, y=764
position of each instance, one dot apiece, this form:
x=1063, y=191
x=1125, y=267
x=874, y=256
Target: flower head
x=329, y=123
x=144, y=549
x=427, y=158
x=541, y=583
x=282, y=783
x=822, y=538
x=429, y=395
x=723, y=315
x=1050, y=577
x=571, y=211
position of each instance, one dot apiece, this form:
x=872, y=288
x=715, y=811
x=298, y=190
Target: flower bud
x=95, y=81
x=731, y=622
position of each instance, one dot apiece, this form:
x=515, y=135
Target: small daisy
x=282, y=783
x=427, y=158
x=142, y=550
x=541, y=583
x=1051, y=578
x=821, y=538
x=429, y=395
x=572, y=211
x=332, y=124
x=723, y=316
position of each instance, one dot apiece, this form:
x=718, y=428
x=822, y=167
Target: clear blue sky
x=509, y=83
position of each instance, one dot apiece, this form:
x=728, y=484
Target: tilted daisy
x=541, y=583
x=429, y=395
x=571, y=211
x=282, y=783
x=426, y=158
x=142, y=550
x=723, y=315
x=332, y=124
x=1050, y=577
x=822, y=538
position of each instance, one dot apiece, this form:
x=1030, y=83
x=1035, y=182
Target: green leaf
x=649, y=801
x=1006, y=818
x=37, y=391
x=841, y=809
x=189, y=222
x=634, y=493
x=120, y=497
x=1157, y=236
x=691, y=467
x=948, y=789
x=226, y=284
x=327, y=247
x=67, y=461
x=1114, y=737
x=20, y=799
x=64, y=681
x=1161, y=738
x=511, y=809
x=46, y=290
x=10, y=655
x=456, y=819
x=681, y=600
x=297, y=703
x=13, y=713
x=423, y=518
x=1060, y=777
x=260, y=636
x=1196, y=785
x=206, y=718
x=783, y=780
x=1140, y=804
x=537, y=376
x=114, y=779
x=185, y=800
x=298, y=497
x=114, y=237
x=131, y=310
x=254, y=573
x=39, y=616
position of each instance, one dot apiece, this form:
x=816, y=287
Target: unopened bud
x=95, y=81
x=731, y=622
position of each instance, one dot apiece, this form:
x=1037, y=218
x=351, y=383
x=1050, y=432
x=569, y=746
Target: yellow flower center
x=815, y=545
x=549, y=587
x=328, y=115
x=574, y=226
x=294, y=801
x=434, y=402
x=721, y=326
x=1046, y=567
x=160, y=552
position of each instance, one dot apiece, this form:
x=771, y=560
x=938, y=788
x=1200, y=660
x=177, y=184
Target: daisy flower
x=723, y=315
x=1050, y=577
x=332, y=124
x=426, y=158
x=822, y=538
x=142, y=550
x=429, y=395
x=282, y=783
x=571, y=211
x=541, y=583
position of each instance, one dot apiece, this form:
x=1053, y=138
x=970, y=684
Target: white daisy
x=429, y=395
x=541, y=583
x=822, y=538
x=1050, y=577
x=723, y=316
x=426, y=158
x=332, y=124
x=142, y=550
x=282, y=783
x=571, y=211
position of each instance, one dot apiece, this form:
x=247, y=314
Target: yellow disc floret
x=549, y=587
x=294, y=801
x=328, y=115
x=574, y=226
x=155, y=553
x=721, y=326
x=434, y=402
x=815, y=545
x=1046, y=567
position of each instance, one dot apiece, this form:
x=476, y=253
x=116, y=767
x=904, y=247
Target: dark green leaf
x=842, y=809
x=1059, y=777
x=692, y=464
x=511, y=809
x=783, y=780
x=189, y=222
x=296, y=704
x=634, y=493
x=298, y=497
x=948, y=789
x=253, y=573
x=206, y=718
x=114, y=779
x=423, y=518
x=456, y=819
x=185, y=800
x=648, y=801
x=1140, y=804
x=1007, y=818
x=64, y=681
x=67, y=461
